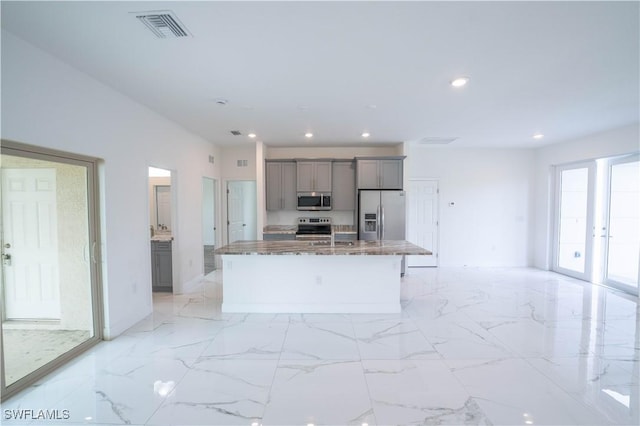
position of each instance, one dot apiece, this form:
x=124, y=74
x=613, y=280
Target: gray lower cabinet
x=278, y=237
x=344, y=185
x=161, y=268
x=281, y=185
x=379, y=173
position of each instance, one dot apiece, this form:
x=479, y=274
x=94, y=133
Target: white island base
x=311, y=284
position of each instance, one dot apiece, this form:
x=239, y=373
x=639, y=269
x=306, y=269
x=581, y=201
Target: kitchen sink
x=328, y=243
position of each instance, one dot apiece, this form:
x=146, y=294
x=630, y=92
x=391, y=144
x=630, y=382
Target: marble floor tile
x=509, y=391
x=218, y=391
x=462, y=338
x=320, y=341
x=604, y=385
x=483, y=346
x=399, y=339
x=128, y=390
x=529, y=338
x=419, y=392
x=319, y=392
x=247, y=340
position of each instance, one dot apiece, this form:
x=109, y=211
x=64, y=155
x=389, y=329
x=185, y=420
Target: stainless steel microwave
x=314, y=201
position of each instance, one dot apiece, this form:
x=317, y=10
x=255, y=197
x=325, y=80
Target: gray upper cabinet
x=379, y=173
x=314, y=176
x=281, y=185
x=344, y=185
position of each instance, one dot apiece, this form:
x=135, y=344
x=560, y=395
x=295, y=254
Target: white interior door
x=423, y=220
x=235, y=211
x=29, y=218
x=575, y=220
x=622, y=232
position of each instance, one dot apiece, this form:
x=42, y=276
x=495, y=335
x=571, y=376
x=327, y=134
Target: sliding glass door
x=622, y=230
x=574, y=221
x=49, y=281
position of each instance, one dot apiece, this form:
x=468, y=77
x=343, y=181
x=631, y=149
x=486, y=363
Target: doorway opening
x=597, y=231
x=161, y=229
x=51, y=307
x=242, y=214
x=209, y=223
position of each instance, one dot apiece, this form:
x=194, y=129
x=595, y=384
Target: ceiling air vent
x=163, y=23
x=235, y=132
x=436, y=140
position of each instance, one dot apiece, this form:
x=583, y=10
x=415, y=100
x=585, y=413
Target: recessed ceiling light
x=538, y=136
x=308, y=135
x=252, y=135
x=460, y=81
x=365, y=135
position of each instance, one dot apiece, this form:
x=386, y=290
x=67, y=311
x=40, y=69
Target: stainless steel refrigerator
x=381, y=216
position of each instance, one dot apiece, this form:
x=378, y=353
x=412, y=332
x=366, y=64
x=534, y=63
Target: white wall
x=230, y=157
x=491, y=221
x=619, y=141
x=48, y=103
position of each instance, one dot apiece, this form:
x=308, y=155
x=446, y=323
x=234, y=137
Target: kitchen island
x=307, y=277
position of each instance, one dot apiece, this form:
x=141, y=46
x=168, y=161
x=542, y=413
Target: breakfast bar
x=307, y=277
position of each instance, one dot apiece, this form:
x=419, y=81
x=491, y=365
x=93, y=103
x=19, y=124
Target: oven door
x=309, y=202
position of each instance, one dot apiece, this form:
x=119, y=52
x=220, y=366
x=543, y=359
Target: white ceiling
x=565, y=69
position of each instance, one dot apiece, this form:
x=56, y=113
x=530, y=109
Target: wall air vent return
x=163, y=23
x=436, y=140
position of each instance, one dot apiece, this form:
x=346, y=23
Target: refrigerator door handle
x=381, y=221
x=378, y=223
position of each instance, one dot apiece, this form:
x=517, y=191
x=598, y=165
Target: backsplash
x=289, y=217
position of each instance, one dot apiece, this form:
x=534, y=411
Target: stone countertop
x=280, y=229
x=358, y=248
x=162, y=237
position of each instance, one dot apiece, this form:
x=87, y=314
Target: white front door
x=30, y=223
x=235, y=211
x=423, y=220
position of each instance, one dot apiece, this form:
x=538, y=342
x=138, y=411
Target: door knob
x=6, y=259
x=7, y=245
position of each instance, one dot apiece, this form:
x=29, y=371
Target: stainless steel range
x=314, y=229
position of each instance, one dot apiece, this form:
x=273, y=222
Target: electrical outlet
x=318, y=280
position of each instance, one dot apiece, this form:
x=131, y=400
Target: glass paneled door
x=574, y=233
x=622, y=232
x=49, y=282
